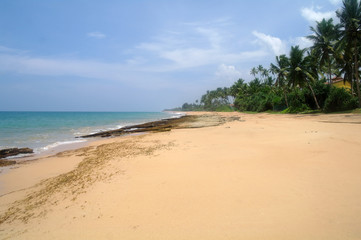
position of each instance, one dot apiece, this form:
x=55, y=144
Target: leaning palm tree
x=324, y=39
x=299, y=73
x=280, y=71
x=350, y=22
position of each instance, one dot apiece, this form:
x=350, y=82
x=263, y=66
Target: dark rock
x=187, y=121
x=156, y=126
x=14, y=151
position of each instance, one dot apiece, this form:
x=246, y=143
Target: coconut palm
x=345, y=64
x=350, y=18
x=299, y=73
x=260, y=69
x=280, y=71
x=254, y=72
x=237, y=87
x=324, y=40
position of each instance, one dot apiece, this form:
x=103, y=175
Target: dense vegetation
x=297, y=82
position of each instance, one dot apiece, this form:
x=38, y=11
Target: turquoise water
x=44, y=130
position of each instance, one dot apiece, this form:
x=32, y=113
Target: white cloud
x=194, y=47
x=58, y=67
x=97, y=35
x=277, y=46
x=212, y=35
x=335, y=2
x=128, y=73
x=199, y=46
x=312, y=15
x=303, y=42
x=228, y=73
x=189, y=57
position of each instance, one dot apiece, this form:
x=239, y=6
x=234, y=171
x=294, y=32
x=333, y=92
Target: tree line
x=301, y=81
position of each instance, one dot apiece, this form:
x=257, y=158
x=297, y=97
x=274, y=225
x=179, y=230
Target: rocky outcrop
x=156, y=126
x=187, y=121
x=14, y=151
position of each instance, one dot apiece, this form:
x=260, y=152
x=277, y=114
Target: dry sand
x=264, y=177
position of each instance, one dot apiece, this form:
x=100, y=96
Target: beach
x=251, y=176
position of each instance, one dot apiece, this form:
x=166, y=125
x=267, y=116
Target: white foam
x=21, y=155
x=56, y=144
x=132, y=129
x=177, y=115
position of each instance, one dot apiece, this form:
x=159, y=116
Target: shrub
x=321, y=91
x=278, y=103
x=340, y=99
x=224, y=108
x=296, y=102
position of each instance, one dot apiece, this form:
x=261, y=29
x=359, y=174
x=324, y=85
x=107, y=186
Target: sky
x=137, y=55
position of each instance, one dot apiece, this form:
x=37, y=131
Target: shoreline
x=60, y=135
x=262, y=176
x=183, y=121
x=79, y=141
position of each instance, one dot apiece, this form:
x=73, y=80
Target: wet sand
x=260, y=177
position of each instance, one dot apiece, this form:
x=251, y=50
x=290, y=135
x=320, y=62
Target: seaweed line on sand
x=69, y=185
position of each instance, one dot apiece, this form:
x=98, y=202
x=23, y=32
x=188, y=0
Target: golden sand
x=262, y=177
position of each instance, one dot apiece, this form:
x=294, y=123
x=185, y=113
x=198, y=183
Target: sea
x=43, y=131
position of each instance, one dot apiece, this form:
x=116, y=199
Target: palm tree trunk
x=314, y=96
x=356, y=76
x=284, y=92
x=329, y=71
x=358, y=87
x=352, y=90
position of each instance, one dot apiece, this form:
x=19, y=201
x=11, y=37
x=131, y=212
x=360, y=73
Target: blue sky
x=113, y=55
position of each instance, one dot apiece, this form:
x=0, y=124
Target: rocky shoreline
x=187, y=121
x=10, y=152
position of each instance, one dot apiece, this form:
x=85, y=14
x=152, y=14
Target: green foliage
x=258, y=97
x=321, y=90
x=349, y=42
x=293, y=84
x=296, y=101
x=224, y=108
x=278, y=103
x=340, y=99
x=324, y=39
x=357, y=111
x=216, y=98
x=191, y=107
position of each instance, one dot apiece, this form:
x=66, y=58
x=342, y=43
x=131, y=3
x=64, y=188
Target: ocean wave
x=56, y=144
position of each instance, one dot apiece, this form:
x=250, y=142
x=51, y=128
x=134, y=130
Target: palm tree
x=280, y=70
x=254, y=71
x=350, y=17
x=324, y=39
x=260, y=68
x=345, y=64
x=237, y=87
x=263, y=73
x=299, y=72
x=312, y=64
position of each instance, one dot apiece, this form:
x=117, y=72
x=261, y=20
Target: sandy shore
x=261, y=177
